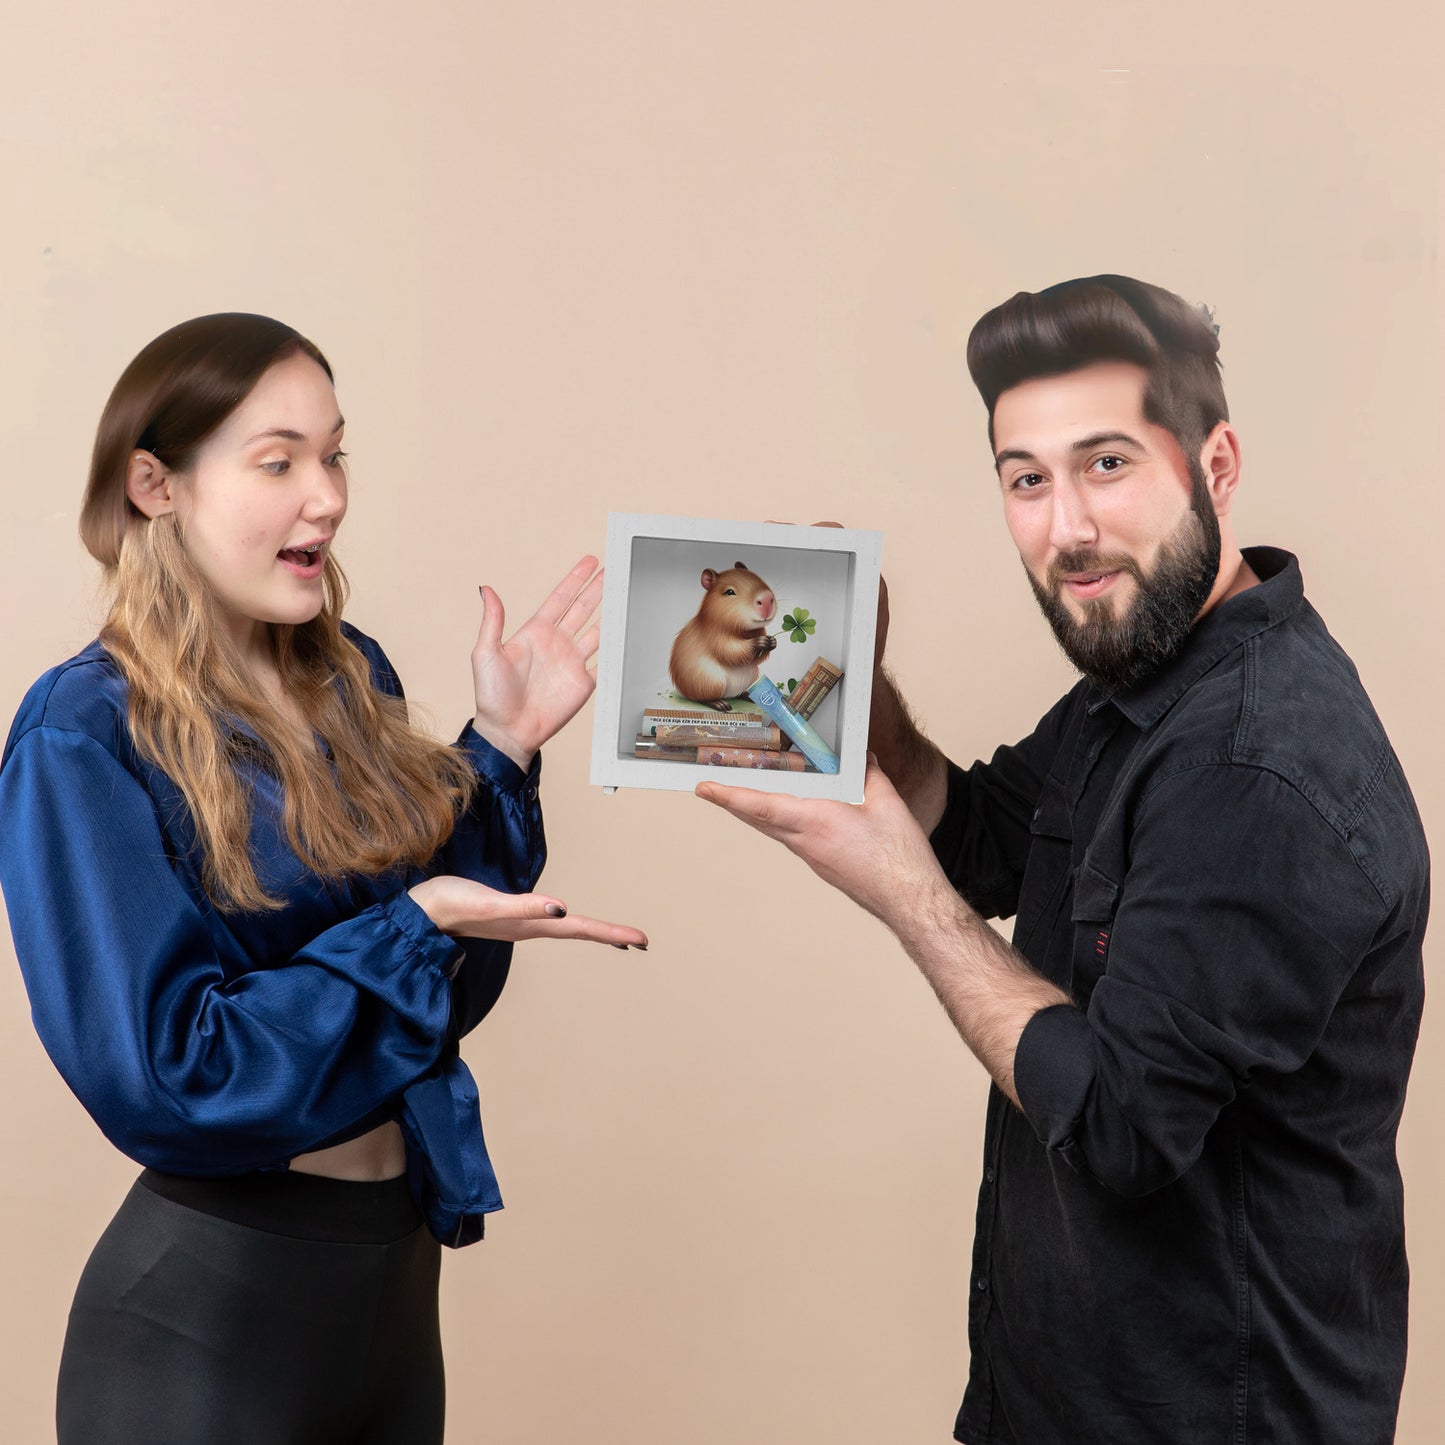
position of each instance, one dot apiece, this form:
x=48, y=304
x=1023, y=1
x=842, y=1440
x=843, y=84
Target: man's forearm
x=985, y=986
x=914, y=766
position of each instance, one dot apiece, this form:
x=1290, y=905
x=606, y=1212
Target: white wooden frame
x=858, y=558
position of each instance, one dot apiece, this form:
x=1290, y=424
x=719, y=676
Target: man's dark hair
x=1106, y=318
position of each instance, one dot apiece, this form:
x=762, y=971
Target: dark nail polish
x=622, y=946
x=555, y=910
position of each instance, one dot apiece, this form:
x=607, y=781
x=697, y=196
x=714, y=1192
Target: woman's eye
x=335, y=459
x=277, y=469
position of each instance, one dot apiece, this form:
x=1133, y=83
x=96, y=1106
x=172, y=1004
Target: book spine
x=697, y=735
x=649, y=748
x=765, y=693
x=751, y=758
x=719, y=757
x=817, y=683
x=717, y=721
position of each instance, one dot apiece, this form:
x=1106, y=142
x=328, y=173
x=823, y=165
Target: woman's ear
x=148, y=484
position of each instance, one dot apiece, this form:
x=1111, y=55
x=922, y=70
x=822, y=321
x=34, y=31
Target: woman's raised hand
x=466, y=909
x=531, y=685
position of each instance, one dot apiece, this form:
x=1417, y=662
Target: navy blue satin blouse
x=208, y=1043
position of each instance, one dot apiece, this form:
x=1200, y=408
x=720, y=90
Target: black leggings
x=277, y=1309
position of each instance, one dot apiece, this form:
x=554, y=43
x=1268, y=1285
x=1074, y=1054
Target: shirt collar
x=1279, y=595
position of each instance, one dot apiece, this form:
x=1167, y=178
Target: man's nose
x=1070, y=524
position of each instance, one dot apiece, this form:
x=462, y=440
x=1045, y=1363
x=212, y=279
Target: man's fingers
x=764, y=811
x=588, y=642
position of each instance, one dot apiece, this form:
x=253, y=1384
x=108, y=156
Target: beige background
x=575, y=258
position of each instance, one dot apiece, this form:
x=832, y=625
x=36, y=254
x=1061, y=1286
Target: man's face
x=1113, y=523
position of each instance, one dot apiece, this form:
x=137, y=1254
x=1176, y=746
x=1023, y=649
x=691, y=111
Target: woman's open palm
x=530, y=686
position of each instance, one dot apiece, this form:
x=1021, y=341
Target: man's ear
x=1220, y=460
x=148, y=484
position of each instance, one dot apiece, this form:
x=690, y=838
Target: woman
x=255, y=911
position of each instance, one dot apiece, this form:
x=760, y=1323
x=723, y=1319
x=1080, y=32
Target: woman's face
x=260, y=506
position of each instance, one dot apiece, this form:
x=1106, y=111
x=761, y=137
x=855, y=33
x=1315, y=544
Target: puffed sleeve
x=498, y=841
x=182, y=1069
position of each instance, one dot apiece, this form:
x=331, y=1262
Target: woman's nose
x=328, y=493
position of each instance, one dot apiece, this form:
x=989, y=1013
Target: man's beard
x=1116, y=651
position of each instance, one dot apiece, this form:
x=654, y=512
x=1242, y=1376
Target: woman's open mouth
x=304, y=561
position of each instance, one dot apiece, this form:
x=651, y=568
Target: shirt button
x=989, y=1175
x=1037, y=812
x=531, y=794
x=982, y=1284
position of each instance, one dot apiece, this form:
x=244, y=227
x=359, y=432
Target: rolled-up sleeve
x=1240, y=921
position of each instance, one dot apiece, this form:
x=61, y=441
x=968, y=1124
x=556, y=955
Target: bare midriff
x=378, y=1154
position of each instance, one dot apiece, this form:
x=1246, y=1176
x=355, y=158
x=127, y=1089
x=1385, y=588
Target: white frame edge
x=611, y=772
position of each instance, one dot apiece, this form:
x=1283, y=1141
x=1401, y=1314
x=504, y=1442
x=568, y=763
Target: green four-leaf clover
x=798, y=624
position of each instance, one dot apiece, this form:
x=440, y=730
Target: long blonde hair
x=387, y=795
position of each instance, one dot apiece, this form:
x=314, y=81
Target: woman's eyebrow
x=287, y=434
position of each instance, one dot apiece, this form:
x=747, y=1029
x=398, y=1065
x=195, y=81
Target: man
x=1190, y=1223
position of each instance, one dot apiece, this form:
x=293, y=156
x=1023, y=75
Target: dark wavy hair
x=1106, y=318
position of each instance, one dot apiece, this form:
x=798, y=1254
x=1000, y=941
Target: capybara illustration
x=716, y=655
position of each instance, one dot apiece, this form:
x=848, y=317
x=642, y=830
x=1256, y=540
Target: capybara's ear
x=743, y=565
x=708, y=578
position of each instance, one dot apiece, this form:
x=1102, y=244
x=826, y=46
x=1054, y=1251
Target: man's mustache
x=1074, y=564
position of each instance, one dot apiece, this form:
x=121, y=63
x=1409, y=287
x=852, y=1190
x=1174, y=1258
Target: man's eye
x=1109, y=463
x=277, y=469
x=1025, y=482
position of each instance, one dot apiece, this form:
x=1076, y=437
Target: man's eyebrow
x=285, y=434
x=1101, y=438
x=1012, y=454
x=1084, y=444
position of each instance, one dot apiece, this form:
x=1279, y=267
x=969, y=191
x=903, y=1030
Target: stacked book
x=762, y=739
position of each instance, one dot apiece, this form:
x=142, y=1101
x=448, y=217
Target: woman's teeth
x=301, y=556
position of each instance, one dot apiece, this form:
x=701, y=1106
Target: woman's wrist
x=519, y=752
x=430, y=896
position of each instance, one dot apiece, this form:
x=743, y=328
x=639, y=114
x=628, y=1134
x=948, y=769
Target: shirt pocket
x=1046, y=875
x=1096, y=898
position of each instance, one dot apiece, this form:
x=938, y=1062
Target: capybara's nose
x=767, y=605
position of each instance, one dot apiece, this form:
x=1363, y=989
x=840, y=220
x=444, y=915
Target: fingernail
x=555, y=910
x=622, y=946
x=640, y=947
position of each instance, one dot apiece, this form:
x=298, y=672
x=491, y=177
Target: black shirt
x=1194, y=1230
